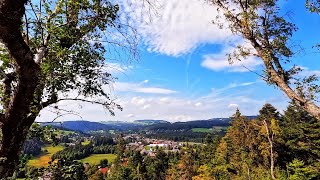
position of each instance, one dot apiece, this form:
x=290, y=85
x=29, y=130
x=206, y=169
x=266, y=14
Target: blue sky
x=183, y=73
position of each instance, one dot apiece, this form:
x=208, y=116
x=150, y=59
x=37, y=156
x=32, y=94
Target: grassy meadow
x=43, y=159
x=214, y=129
x=86, y=142
x=95, y=158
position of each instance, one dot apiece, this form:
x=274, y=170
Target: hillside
x=87, y=126
x=190, y=124
x=150, y=122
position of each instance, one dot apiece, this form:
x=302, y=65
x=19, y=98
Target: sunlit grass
x=43, y=159
x=203, y=130
x=215, y=129
x=86, y=142
x=63, y=132
x=95, y=158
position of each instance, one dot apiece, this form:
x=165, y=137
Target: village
x=148, y=146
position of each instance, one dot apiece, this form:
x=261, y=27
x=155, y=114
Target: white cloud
x=219, y=61
x=152, y=90
x=165, y=100
x=182, y=118
x=174, y=108
x=140, y=88
x=233, y=106
x=115, y=68
x=138, y=101
x=146, y=106
x=308, y=72
x=177, y=26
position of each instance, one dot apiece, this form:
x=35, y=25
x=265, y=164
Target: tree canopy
x=51, y=48
x=268, y=34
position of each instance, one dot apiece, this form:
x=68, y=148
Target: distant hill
x=87, y=126
x=150, y=122
x=193, y=124
x=190, y=124
x=122, y=125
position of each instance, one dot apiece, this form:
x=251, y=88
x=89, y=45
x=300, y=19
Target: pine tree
x=300, y=138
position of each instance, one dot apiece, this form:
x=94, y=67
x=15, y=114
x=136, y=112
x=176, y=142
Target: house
x=104, y=170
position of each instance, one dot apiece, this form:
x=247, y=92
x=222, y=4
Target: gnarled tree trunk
x=17, y=117
x=12, y=140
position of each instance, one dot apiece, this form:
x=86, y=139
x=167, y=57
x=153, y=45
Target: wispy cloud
x=175, y=108
x=116, y=68
x=218, y=91
x=177, y=27
x=141, y=88
x=308, y=72
x=219, y=61
x=233, y=106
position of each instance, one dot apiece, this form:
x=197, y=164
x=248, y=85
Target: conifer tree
x=300, y=139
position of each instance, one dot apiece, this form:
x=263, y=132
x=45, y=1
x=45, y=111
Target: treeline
x=181, y=135
x=32, y=147
x=38, y=136
x=134, y=165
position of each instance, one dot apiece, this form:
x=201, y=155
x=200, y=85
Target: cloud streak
x=141, y=88
x=116, y=68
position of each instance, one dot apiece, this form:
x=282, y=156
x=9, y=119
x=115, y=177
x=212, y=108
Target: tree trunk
x=276, y=78
x=308, y=106
x=12, y=141
x=18, y=116
x=270, y=139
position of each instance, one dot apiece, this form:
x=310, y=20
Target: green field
x=63, y=132
x=147, y=148
x=95, y=158
x=43, y=159
x=215, y=129
x=190, y=143
x=219, y=128
x=203, y=130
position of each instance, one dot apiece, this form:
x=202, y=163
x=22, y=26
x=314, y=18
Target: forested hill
x=190, y=124
x=151, y=122
x=87, y=126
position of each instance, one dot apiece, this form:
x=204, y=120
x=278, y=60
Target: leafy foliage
x=267, y=35
x=313, y=5
x=55, y=51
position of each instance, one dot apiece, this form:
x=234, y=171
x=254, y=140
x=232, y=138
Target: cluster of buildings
x=148, y=146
